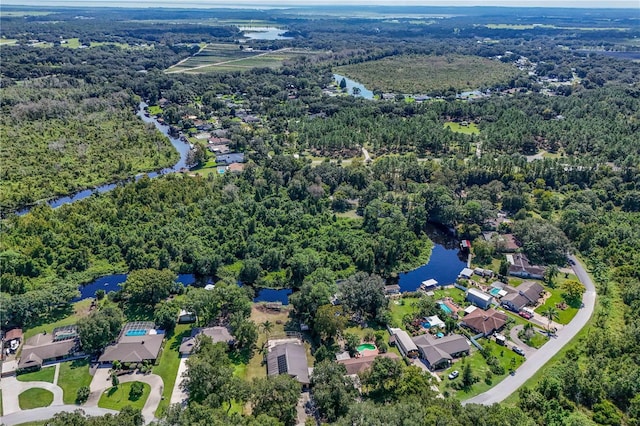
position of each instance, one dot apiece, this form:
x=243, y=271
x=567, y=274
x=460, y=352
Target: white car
x=454, y=374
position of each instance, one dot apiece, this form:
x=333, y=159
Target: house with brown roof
x=526, y=294
x=235, y=167
x=288, y=357
x=62, y=343
x=216, y=334
x=12, y=339
x=485, y=322
x=506, y=243
x=438, y=353
x=363, y=363
x=138, y=341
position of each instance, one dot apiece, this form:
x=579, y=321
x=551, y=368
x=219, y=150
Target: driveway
x=157, y=385
x=12, y=387
x=538, y=359
x=101, y=381
x=178, y=396
x=513, y=335
x=45, y=413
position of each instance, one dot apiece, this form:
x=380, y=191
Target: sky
x=632, y=4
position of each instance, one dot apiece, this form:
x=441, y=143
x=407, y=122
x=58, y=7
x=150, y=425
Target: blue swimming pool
x=136, y=332
x=494, y=291
x=445, y=308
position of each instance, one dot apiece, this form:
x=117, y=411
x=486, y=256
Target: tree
x=364, y=295
x=542, y=241
x=467, y=376
x=550, y=314
x=136, y=391
x=573, y=291
x=114, y=380
x=316, y=290
x=343, y=84
x=276, y=397
x=351, y=343
x=165, y=315
x=383, y=378
x=504, y=267
x=329, y=322
x=267, y=328
x=333, y=390
x=82, y=395
x=149, y=286
x=356, y=91
x=550, y=275
x=100, y=328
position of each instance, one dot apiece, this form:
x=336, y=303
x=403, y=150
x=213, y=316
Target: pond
x=364, y=92
x=112, y=283
x=264, y=33
x=444, y=265
x=180, y=146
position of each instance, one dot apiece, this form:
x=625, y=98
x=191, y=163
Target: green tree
x=136, y=391
x=267, y=328
x=550, y=275
x=82, y=395
x=165, y=315
x=329, y=322
x=550, y=314
x=343, y=84
x=364, y=295
x=333, y=390
x=467, y=376
x=383, y=378
x=99, y=328
x=351, y=343
x=149, y=286
x=276, y=396
x=572, y=291
x=316, y=290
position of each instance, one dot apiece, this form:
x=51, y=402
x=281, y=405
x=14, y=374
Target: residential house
x=234, y=157
x=505, y=243
x=138, y=342
x=485, y=322
x=479, y=298
x=521, y=267
x=438, y=353
x=12, y=339
x=363, y=363
x=434, y=321
x=526, y=294
x=217, y=335
x=62, y=343
x=391, y=289
x=235, y=168
x=403, y=341
x=288, y=357
x=186, y=317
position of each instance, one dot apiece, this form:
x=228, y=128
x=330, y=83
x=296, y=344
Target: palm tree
x=267, y=327
x=550, y=275
x=550, y=313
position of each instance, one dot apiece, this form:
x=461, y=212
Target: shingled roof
x=289, y=358
x=485, y=322
x=363, y=363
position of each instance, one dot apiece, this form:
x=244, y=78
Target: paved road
x=45, y=413
x=511, y=383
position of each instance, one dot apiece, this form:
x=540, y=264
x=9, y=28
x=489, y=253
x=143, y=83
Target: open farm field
x=428, y=73
x=229, y=57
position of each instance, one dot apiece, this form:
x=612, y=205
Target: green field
x=73, y=375
x=42, y=375
x=7, y=41
x=116, y=398
x=427, y=73
x=35, y=398
x=471, y=129
x=77, y=311
x=222, y=57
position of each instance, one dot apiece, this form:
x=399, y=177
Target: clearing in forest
x=232, y=57
x=427, y=74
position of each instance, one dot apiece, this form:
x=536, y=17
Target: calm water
x=364, y=92
x=181, y=147
x=264, y=33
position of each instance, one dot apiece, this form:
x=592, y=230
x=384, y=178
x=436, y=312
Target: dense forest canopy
x=334, y=187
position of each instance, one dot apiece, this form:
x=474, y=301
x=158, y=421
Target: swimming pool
x=366, y=347
x=494, y=291
x=445, y=308
x=136, y=332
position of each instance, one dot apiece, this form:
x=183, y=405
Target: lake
x=180, y=146
x=264, y=33
x=364, y=92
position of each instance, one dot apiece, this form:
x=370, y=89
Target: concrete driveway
x=513, y=335
x=538, y=359
x=178, y=396
x=155, y=396
x=12, y=387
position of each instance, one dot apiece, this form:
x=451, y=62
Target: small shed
x=431, y=283
x=466, y=273
x=186, y=317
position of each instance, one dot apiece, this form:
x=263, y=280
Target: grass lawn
x=537, y=340
x=479, y=368
x=35, y=398
x=73, y=375
x=456, y=294
x=72, y=43
x=1, y=408
x=168, y=364
x=564, y=316
x=116, y=398
x=471, y=129
x=154, y=109
x=43, y=375
x=401, y=307
x=60, y=317
x=255, y=367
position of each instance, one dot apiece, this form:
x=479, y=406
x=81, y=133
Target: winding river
x=182, y=148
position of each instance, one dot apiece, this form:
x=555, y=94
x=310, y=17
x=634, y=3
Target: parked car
x=454, y=374
x=518, y=350
x=525, y=314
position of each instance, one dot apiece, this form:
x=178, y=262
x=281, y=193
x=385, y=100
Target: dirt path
x=168, y=71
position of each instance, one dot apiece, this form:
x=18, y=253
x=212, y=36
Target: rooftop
x=361, y=364
x=289, y=358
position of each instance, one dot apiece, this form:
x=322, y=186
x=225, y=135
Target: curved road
x=537, y=360
x=46, y=413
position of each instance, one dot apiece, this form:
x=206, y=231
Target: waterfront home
x=216, y=334
x=62, y=343
x=479, y=298
x=138, y=341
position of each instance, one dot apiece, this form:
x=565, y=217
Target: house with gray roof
x=62, y=343
x=526, y=294
x=479, y=298
x=138, y=341
x=288, y=357
x=521, y=267
x=217, y=335
x=438, y=353
x=403, y=341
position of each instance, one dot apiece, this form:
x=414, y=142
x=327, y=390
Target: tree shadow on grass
x=111, y=391
x=175, y=344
